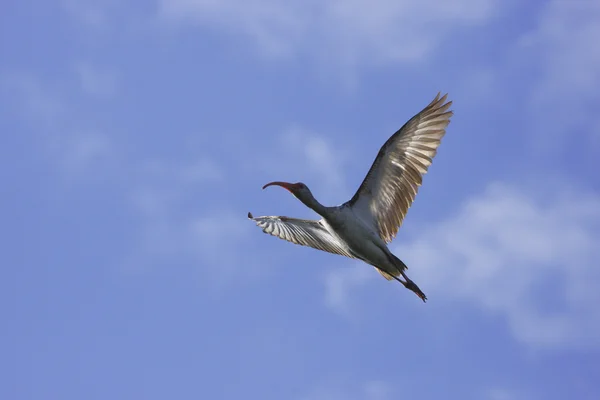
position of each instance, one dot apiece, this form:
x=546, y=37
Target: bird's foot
x=413, y=286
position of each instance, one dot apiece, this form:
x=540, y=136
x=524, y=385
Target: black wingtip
x=250, y=215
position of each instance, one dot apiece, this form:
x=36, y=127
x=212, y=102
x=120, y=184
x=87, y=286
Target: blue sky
x=137, y=135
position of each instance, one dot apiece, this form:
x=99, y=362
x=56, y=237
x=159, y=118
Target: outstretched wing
x=303, y=232
x=391, y=185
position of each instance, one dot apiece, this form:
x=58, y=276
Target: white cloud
x=348, y=31
x=47, y=109
x=527, y=256
x=212, y=241
x=322, y=163
x=563, y=48
x=178, y=225
x=302, y=155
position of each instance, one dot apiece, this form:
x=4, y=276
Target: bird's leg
x=410, y=285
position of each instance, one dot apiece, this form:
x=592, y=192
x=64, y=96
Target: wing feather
x=303, y=232
x=393, y=180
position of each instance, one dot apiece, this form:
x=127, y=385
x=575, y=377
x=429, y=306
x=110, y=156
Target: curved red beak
x=284, y=185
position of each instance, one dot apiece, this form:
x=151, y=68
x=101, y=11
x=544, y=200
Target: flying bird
x=361, y=227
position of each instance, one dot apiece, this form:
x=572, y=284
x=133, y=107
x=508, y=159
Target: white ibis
x=362, y=227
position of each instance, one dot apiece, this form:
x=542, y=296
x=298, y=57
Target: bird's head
x=299, y=189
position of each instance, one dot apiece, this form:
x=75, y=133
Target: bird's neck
x=313, y=204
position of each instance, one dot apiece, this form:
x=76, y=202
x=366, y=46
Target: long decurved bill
x=284, y=185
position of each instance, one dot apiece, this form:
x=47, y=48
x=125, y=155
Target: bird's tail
x=400, y=267
x=399, y=264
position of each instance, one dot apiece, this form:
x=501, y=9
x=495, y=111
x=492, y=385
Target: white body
x=359, y=236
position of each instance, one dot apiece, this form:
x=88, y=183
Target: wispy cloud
x=177, y=224
x=299, y=154
x=529, y=257
x=51, y=121
x=349, y=32
x=321, y=162
x=213, y=241
x=563, y=49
